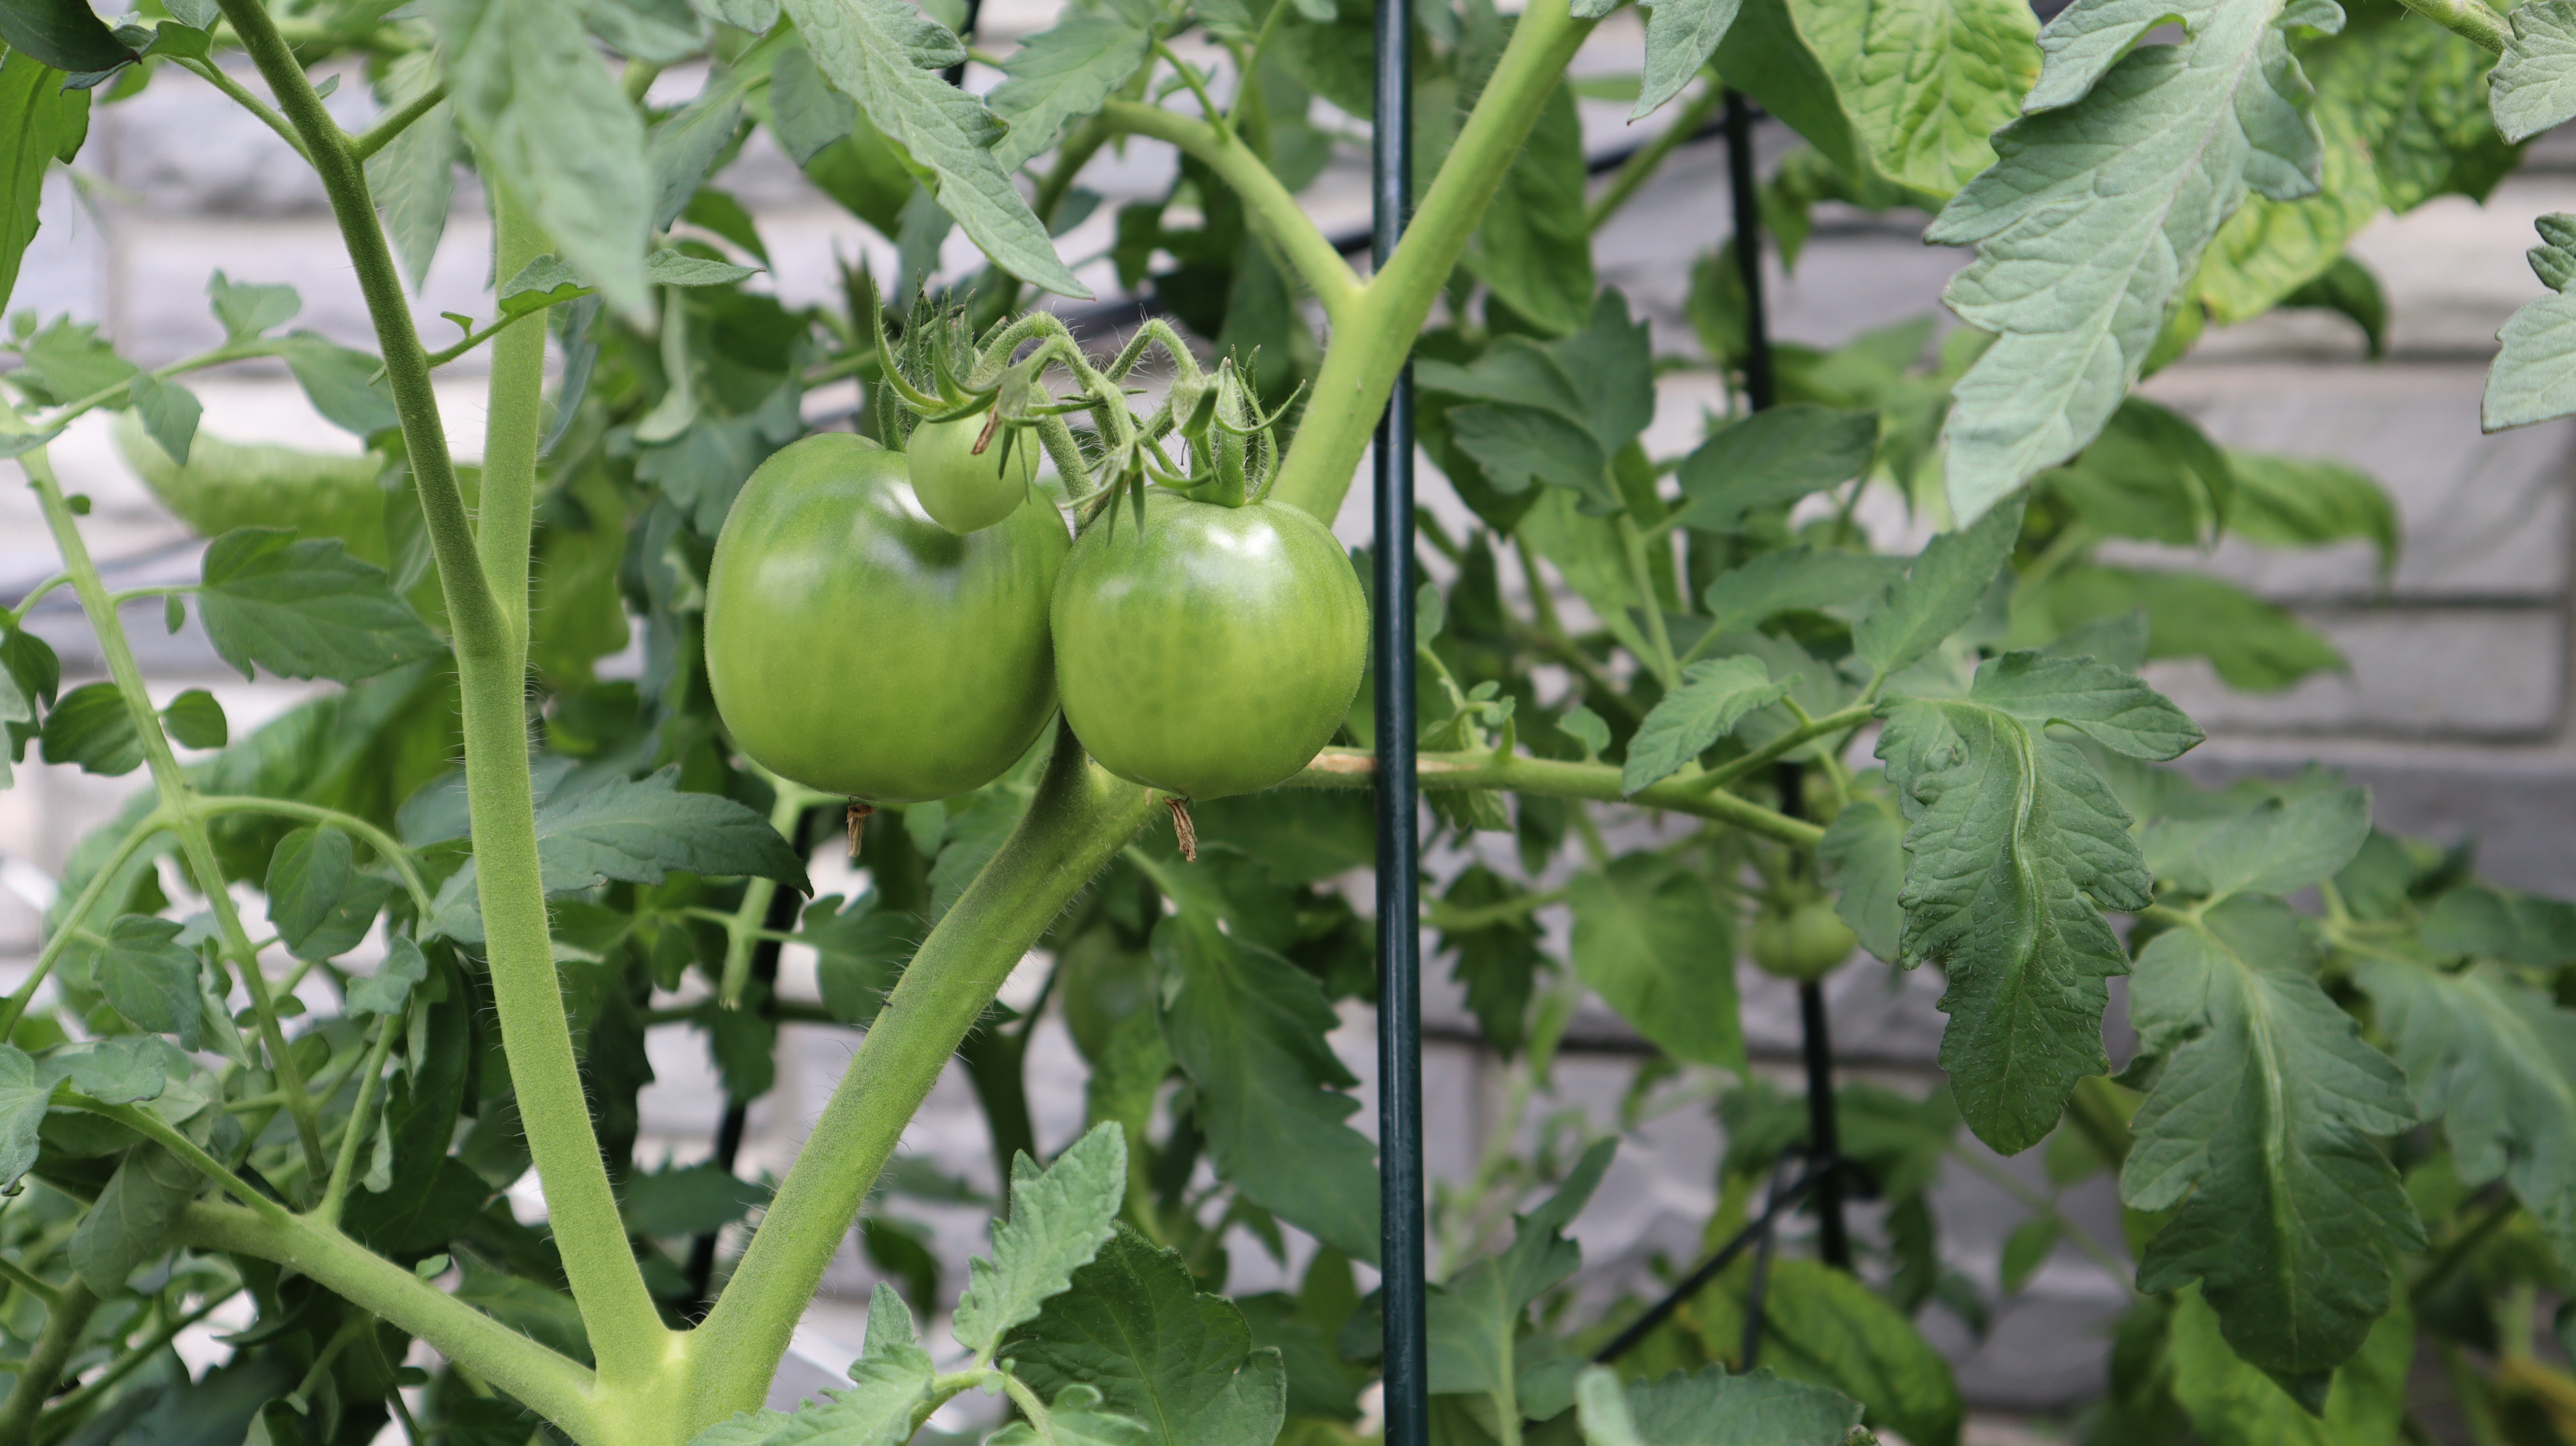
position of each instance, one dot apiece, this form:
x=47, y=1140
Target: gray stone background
x=2454, y=708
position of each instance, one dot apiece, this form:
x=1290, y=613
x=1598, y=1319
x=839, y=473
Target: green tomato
x=965, y=492
x=1210, y=650
x=1806, y=944
x=859, y=648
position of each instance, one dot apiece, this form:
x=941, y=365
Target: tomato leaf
x=660, y=32
x=805, y=112
x=64, y=34
x=23, y=1101
x=1248, y=1028
x=1680, y=37
x=638, y=832
x=1712, y=1408
x=384, y=991
x=413, y=178
x=1794, y=578
x=1926, y=82
x=1823, y=1326
x=2495, y=1062
x=2126, y=161
x=2280, y=846
x=305, y=609
x=546, y=116
x=1534, y=246
x=859, y=952
x=132, y=1219
x=2515, y=928
x=2015, y=847
x=892, y=1376
x=888, y=56
x=42, y=123
x=247, y=310
x=2232, y=1403
x=2308, y=502
x=1938, y=595
x=1060, y=1217
x=1476, y=1317
x=2251, y=644
x=1134, y=1326
x=2259, y=1129
x=1864, y=858
x=1060, y=75
x=2534, y=375
x=150, y=977
x=91, y=727
x=1773, y=458
x=344, y=386
x=2533, y=86
x=683, y=147
x=1714, y=696
x=1656, y=945
x=697, y=1199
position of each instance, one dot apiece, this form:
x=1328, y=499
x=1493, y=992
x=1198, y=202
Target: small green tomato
x=964, y=490
x=1806, y=943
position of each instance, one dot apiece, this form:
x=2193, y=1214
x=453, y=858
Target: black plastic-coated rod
x=1833, y=1243
x=1746, y=203
x=1401, y=1255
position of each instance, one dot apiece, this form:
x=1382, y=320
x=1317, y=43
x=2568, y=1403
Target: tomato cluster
x=895, y=627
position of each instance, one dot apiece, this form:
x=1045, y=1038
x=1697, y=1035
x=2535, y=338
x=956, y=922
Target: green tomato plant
x=1677, y=700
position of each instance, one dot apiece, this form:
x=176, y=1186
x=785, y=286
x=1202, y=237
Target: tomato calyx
x=1185, y=830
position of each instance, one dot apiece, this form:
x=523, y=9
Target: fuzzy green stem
x=214, y=75
x=514, y=423
x=1780, y=747
x=1078, y=821
x=2466, y=18
x=64, y=1322
x=335, y=1196
x=1519, y=773
x=1273, y=208
x=1637, y=170
x=386, y=846
x=1658, y=637
x=555, y=1387
x=178, y=796
x=75, y=1404
x=743, y=927
x=489, y=628
x=376, y=137
x=28, y=1281
x=1373, y=337
x=70, y=927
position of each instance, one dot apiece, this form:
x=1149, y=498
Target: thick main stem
x=1080, y=818
x=489, y=623
x=1373, y=337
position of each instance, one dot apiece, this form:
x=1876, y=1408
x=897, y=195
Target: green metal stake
x=1399, y=936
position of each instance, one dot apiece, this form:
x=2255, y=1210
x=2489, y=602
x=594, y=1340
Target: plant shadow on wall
x=1097, y=704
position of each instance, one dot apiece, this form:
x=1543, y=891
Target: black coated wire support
x=1779, y=1204
x=1402, y=1258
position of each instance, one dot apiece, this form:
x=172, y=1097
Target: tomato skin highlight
x=964, y=492
x=859, y=648
x=1211, y=650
